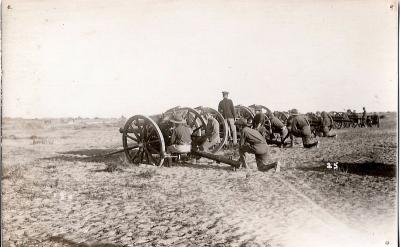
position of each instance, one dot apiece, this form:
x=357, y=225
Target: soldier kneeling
x=327, y=125
x=251, y=141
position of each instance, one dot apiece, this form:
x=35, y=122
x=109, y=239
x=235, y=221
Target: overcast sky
x=99, y=58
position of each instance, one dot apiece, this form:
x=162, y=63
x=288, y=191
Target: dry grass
x=59, y=193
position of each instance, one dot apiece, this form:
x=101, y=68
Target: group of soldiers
x=254, y=137
x=365, y=120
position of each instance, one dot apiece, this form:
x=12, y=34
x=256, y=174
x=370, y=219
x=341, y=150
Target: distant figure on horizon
x=226, y=108
x=364, y=118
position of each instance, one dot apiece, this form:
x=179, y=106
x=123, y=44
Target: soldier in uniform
x=276, y=126
x=300, y=127
x=259, y=118
x=364, y=118
x=327, y=125
x=226, y=108
x=181, y=136
x=211, y=136
x=251, y=141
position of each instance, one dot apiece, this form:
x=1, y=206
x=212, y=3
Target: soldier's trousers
x=327, y=132
x=232, y=129
x=259, y=150
x=306, y=137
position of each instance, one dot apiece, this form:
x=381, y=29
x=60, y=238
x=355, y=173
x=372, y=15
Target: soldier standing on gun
x=226, y=108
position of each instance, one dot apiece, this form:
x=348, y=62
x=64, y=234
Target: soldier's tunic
x=211, y=136
x=301, y=128
x=327, y=125
x=364, y=118
x=181, y=139
x=226, y=108
x=251, y=141
x=259, y=120
x=278, y=127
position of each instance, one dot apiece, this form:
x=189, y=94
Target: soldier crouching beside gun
x=327, y=125
x=251, y=141
x=211, y=136
x=300, y=127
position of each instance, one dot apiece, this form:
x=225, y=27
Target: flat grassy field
x=56, y=192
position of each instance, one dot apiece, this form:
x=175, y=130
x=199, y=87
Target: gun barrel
x=218, y=158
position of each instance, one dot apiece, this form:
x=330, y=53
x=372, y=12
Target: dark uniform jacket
x=253, y=138
x=226, y=108
x=300, y=126
x=326, y=120
x=181, y=135
x=259, y=118
x=276, y=124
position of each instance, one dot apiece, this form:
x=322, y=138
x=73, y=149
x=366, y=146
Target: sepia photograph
x=251, y=123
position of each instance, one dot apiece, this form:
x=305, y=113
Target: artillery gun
x=249, y=114
x=145, y=138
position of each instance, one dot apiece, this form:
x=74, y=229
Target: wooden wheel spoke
x=196, y=129
x=153, y=141
x=140, y=132
x=147, y=155
x=144, y=132
x=149, y=134
x=134, y=131
x=152, y=149
x=132, y=138
x=135, y=155
x=194, y=122
x=141, y=157
x=150, y=155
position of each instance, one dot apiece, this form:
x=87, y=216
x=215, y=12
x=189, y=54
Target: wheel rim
x=244, y=112
x=282, y=116
x=143, y=132
x=194, y=120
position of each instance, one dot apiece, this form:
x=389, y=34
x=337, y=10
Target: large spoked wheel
x=282, y=116
x=337, y=124
x=244, y=112
x=356, y=123
x=266, y=109
x=143, y=141
x=263, y=108
x=194, y=120
x=223, y=128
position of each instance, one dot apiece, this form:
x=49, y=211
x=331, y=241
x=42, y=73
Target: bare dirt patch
x=65, y=194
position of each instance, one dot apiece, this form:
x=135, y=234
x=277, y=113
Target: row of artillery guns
x=145, y=138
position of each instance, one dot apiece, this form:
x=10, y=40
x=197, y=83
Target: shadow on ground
x=203, y=165
x=88, y=155
x=112, y=161
x=61, y=240
x=367, y=168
